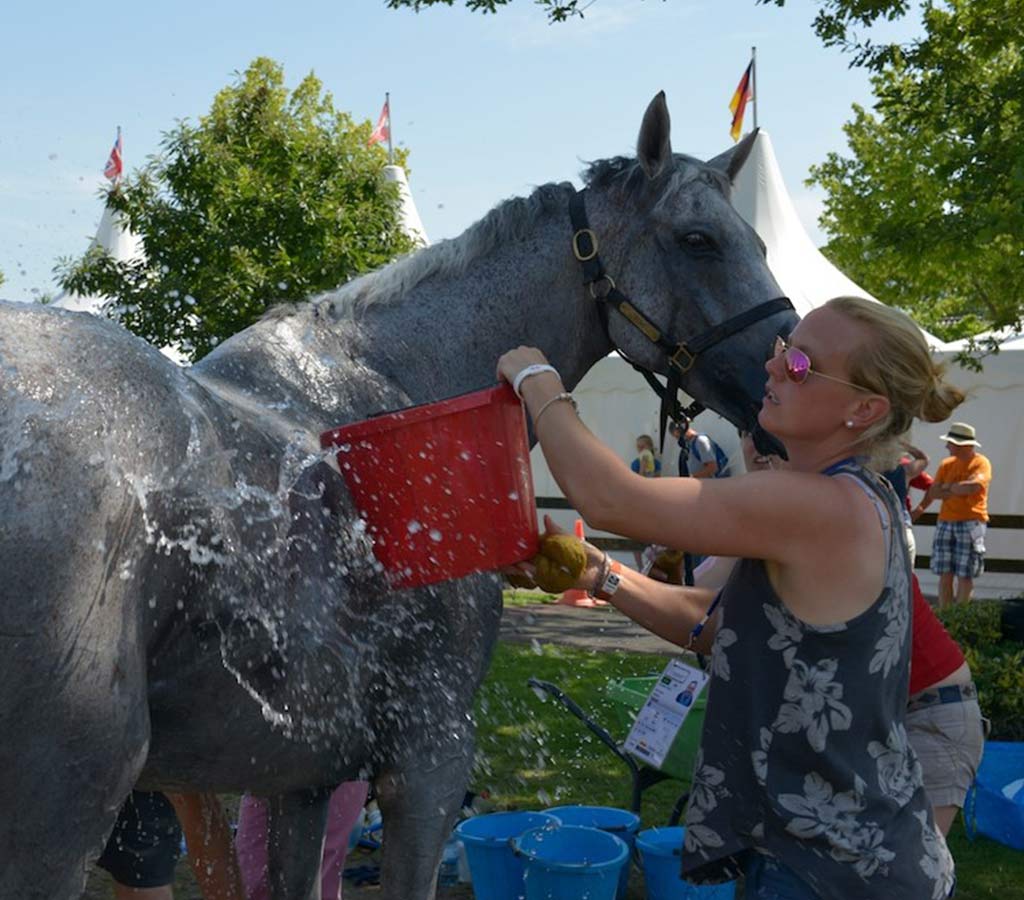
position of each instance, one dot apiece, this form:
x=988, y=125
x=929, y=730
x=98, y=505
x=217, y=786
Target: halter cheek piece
x=682, y=355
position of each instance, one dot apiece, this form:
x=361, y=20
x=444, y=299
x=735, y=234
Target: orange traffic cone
x=574, y=596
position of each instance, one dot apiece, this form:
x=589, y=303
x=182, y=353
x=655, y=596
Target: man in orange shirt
x=961, y=483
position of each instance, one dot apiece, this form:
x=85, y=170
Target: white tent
x=803, y=273
x=617, y=404
x=115, y=237
x=408, y=215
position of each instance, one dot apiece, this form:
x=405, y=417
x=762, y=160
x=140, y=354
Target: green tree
x=833, y=22
x=270, y=197
x=557, y=10
x=1, y=276
x=928, y=212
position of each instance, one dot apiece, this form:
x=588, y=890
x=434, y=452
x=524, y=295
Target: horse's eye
x=695, y=240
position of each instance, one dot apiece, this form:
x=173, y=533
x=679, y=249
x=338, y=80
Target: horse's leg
x=418, y=804
x=75, y=729
x=295, y=844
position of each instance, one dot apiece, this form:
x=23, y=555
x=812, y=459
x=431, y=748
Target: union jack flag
x=115, y=165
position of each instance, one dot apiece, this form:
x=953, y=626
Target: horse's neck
x=445, y=335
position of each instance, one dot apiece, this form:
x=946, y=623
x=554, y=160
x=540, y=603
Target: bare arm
x=770, y=515
x=667, y=610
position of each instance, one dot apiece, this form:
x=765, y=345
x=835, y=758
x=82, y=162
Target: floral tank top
x=804, y=756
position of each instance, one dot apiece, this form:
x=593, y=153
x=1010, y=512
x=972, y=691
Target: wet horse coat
x=188, y=599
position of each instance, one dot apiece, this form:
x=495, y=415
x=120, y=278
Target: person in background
x=343, y=813
x=144, y=847
x=646, y=463
x=805, y=780
x=704, y=458
x=961, y=483
x=649, y=466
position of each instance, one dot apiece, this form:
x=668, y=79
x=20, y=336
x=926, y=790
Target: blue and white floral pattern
x=813, y=703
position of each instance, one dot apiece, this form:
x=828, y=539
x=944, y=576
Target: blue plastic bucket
x=496, y=870
x=571, y=863
x=660, y=851
x=620, y=822
x=995, y=802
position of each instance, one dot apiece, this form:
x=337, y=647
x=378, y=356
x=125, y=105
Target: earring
x=849, y=423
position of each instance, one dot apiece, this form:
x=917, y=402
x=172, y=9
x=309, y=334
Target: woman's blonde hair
x=897, y=364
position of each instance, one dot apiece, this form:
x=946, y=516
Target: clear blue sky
x=489, y=106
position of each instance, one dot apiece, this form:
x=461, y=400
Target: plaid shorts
x=959, y=547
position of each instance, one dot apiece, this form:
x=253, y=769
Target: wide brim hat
x=961, y=434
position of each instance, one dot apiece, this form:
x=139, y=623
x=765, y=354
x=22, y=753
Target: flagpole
x=753, y=82
x=391, y=128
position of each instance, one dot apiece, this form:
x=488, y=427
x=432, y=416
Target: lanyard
x=699, y=627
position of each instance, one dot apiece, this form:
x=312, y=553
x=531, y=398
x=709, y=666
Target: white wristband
x=534, y=369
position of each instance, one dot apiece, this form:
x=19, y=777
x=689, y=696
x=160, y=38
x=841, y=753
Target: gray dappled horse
x=187, y=600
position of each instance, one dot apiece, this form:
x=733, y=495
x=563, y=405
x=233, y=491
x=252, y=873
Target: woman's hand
x=525, y=573
x=512, y=363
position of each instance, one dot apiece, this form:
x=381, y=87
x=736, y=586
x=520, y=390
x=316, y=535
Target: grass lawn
x=534, y=753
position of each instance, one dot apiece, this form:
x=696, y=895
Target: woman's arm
x=768, y=515
x=667, y=610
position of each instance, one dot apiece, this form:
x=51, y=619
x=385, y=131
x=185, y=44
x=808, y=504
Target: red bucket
x=445, y=488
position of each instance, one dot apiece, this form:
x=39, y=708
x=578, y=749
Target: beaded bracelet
x=565, y=395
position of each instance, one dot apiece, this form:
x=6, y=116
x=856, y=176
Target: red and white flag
x=383, y=130
x=115, y=165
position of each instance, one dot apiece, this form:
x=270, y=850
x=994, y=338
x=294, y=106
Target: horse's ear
x=733, y=159
x=653, y=147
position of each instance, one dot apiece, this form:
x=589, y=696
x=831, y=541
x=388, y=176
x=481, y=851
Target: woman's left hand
x=512, y=363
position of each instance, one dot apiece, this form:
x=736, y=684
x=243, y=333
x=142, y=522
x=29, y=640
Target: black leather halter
x=682, y=355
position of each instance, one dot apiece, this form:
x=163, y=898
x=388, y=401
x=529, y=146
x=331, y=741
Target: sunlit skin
x=786, y=518
x=819, y=537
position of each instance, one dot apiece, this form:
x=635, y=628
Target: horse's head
x=694, y=270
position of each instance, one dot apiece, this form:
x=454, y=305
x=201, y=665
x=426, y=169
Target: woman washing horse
x=805, y=780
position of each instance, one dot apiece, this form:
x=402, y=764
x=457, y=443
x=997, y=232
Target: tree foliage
x=556, y=10
x=272, y=196
x=928, y=212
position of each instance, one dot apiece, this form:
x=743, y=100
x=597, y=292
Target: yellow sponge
x=560, y=563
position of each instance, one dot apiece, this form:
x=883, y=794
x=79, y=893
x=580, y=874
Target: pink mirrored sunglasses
x=798, y=365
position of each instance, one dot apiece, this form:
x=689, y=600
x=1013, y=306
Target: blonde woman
x=805, y=780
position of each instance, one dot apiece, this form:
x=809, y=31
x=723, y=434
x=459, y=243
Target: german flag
x=739, y=101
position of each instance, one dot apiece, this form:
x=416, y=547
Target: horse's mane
x=508, y=222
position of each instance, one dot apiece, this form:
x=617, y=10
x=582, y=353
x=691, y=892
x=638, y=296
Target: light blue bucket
x=660, y=851
x=620, y=822
x=496, y=870
x=571, y=863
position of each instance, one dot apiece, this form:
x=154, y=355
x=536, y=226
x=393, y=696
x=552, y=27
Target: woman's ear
x=866, y=411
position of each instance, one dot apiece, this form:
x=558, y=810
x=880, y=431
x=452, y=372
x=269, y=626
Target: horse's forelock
x=624, y=175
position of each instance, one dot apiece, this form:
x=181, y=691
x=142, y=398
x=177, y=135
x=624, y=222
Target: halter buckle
x=581, y=254
x=687, y=363
x=606, y=280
